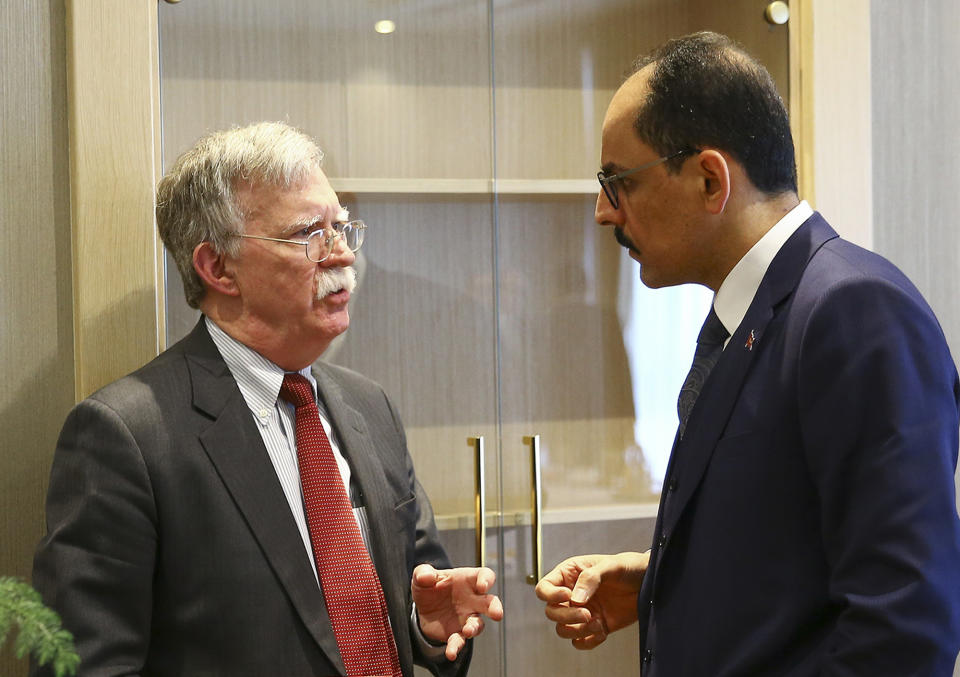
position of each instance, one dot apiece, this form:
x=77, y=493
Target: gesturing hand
x=451, y=603
x=590, y=596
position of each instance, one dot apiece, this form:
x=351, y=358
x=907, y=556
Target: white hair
x=196, y=199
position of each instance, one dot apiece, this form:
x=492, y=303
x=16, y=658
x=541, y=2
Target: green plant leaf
x=40, y=632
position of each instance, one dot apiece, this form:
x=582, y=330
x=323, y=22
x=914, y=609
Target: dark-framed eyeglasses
x=319, y=244
x=608, y=181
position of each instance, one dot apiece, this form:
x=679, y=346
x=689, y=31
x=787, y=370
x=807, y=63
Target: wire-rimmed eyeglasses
x=608, y=182
x=319, y=244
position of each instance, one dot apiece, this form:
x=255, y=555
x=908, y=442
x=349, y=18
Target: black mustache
x=624, y=240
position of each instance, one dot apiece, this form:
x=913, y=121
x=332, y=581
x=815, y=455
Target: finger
x=494, y=608
x=455, y=643
x=556, y=575
x=488, y=605
x=587, y=583
x=569, y=615
x=424, y=576
x=551, y=593
x=590, y=642
x=472, y=627
x=486, y=577
x=579, y=630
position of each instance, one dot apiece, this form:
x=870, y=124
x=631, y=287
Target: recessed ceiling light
x=385, y=26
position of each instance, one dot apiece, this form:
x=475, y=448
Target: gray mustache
x=330, y=280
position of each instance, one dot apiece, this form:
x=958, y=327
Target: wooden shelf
x=468, y=186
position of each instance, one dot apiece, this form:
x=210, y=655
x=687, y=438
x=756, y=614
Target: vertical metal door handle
x=536, y=533
x=480, y=501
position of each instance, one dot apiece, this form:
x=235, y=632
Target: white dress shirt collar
x=259, y=379
x=740, y=286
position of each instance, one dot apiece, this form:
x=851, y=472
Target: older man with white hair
x=232, y=508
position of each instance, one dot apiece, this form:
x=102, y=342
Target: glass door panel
x=591, y=359
x=423, y=325
x=405, y=122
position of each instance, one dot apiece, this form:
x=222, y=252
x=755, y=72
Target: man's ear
x=212, y=269
x=716, y=180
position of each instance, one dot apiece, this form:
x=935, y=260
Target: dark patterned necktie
x=709, y=347
x=355, y=602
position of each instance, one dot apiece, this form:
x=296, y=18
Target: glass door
x=490, y=306
x=404, y=118
x=591, y=359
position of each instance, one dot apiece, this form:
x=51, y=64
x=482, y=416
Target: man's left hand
x=451, y=603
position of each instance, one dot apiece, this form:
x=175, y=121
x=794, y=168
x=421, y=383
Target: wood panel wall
x=114, y=93
x=36, y=335
x=78, y=275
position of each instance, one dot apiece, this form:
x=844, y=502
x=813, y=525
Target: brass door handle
x=480, y=500
x=536, y=495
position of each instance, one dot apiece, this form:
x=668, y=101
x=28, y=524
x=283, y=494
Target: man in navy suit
x=808, y=521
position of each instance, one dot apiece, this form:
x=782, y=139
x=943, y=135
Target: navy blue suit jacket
x=808, y=523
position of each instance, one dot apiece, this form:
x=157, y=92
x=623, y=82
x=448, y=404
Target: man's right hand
x=590, y=596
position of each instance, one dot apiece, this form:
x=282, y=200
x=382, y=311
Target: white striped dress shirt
x=259, y=381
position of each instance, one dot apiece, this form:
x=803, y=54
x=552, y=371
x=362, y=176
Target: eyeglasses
x=319, y=244
x=607, y=182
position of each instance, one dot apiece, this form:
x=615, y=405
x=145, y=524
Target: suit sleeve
x=878, y=410
x=95, y=565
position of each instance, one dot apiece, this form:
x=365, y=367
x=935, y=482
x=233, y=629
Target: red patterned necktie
x=355, y=602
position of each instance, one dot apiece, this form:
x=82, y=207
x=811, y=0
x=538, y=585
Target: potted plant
x=40, y=633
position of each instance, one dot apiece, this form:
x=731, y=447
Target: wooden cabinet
x=489, y=303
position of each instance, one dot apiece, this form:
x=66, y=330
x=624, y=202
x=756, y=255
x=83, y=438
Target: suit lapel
x=356, y=444
x=236, y=449
x=692, y=454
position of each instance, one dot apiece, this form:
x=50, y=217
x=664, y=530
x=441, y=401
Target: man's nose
x=605, y=214
x=340, y=256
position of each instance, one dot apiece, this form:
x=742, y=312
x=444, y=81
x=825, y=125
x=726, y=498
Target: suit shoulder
x=348, y=378
x=848, y=291
x=161, y=379
x=846, y=260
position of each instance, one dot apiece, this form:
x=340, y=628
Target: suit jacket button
x=648, y=655
x=672, y=485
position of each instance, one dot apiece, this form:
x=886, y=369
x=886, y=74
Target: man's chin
x=650, y=279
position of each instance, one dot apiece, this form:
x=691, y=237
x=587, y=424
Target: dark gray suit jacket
x=171, y=549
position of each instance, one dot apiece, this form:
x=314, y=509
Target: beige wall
x=840, y=104
x=36, y=335
x=916, y=147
